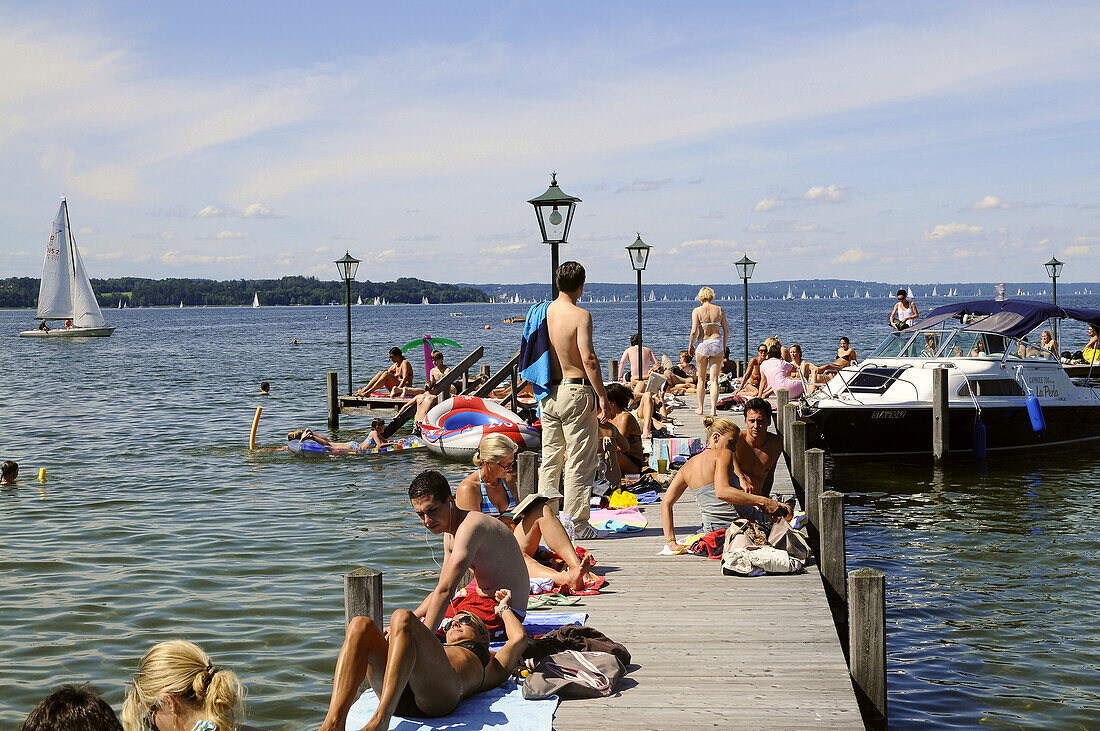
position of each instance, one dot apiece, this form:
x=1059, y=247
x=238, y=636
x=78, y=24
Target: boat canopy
x=1014, y=318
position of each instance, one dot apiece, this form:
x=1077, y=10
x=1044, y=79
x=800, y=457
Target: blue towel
x=499, y=708
x=534, y=351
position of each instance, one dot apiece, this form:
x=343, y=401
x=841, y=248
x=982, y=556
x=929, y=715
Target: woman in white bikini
x=710, y=330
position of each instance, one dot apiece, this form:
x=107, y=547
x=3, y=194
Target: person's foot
x=588, y=533
x=574, y=578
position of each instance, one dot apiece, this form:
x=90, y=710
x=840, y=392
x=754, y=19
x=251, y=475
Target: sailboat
x=65, y=292
x=181, y=304
x=360, y=300
x=934, y=292
x=424, y=301
x=835, y=295
x=909, y=290
x=804, y=295
x=790, y=294
x=866, y=294
x=652, y=296
x=256, y=299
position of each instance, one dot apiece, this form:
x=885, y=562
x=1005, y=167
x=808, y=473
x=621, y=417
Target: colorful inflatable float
x=309, y=448
x=454, y=428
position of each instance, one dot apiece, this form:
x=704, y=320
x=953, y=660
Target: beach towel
x=626, y=521
x=534, y=351
x=499, y=708
x=670, y=447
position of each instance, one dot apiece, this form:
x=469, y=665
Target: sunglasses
x=463, y=620
x=507, y=466
x=761, y=350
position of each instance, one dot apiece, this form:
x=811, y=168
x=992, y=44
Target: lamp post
x=553, y=225
x=745, y=265
x=639, y=255
x=1054, y=270
x=347, y=265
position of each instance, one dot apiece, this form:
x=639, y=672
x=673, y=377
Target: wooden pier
x=709, y=650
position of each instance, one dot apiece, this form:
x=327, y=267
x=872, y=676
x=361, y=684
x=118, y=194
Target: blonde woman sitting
x=178, y=686
x=490, y=489
x=711, y=477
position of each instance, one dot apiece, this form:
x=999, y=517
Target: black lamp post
x=745, y=265
x=639, y=256
x=554, y=210
x=1054, y=270
x=347, y=265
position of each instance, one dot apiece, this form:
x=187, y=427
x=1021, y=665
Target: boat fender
x=1035, y=411
x=979, y=440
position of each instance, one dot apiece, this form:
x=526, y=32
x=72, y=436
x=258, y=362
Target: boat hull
x=76, y=332
x=882, y=431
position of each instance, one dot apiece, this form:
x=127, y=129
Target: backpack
x=573, y=674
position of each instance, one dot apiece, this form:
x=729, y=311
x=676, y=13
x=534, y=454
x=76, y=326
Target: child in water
x=377, y=426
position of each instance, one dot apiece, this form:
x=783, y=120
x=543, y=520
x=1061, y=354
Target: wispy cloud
x=1076, y=250
x=767, y=204
x=951, y=230
x=252, y=210
x=645, y=185
x=990, y=203
x=851, y=256
x=826, y=194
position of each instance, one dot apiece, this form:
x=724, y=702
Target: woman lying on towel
x=414, y=675
x=490, y=489
x=711, y=476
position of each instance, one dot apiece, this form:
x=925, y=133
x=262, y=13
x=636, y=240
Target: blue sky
x=859, y=140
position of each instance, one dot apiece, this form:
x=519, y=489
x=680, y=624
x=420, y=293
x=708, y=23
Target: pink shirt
x=777, y=372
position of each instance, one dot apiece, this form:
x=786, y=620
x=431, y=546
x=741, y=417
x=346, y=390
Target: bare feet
x=575, y=576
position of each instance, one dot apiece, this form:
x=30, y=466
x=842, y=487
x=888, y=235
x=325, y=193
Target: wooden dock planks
x=712, y=651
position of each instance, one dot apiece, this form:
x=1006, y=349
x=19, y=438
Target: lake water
x=157, y=522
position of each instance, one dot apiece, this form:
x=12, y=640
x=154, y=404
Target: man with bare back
x=758, y=450
x=576, y=402
x=411, y=673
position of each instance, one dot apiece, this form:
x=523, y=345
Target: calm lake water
x=157, y=522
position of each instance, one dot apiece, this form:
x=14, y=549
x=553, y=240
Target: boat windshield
x=893, y=345
x=965, y=344
x=925, y=345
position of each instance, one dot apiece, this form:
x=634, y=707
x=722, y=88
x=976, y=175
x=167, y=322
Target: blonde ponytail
x=182, y=669
x=493, y=448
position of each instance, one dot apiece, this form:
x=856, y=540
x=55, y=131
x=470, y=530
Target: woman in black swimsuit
x=627, y=433
x=413, y=674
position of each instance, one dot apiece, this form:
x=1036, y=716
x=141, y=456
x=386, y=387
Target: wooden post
x=832, y=558
x=527, y=474
x=465, y=381
x=739, y=368
x=612, y=370
x=789, y=418
x=363, y=595
x=815, y=483
x=798, y=452
x=333, y=401
x=783, y=397
x=484, y=371
x=867, y=637
x=940, y=420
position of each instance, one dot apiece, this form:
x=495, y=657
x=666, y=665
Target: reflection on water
x=156, y=522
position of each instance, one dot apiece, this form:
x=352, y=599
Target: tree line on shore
x=140, y=292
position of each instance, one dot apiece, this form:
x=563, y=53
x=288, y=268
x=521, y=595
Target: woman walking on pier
x=710, y=329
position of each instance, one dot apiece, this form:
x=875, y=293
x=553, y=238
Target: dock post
x=833, y=560
x=867, y=639
x=333, y=401
x=739, y=368
x=465, y=381
x=363, y=595
x=484, y=372
x=527, y=474
x=940, y=421
x=798, y=453
x=783, y=397
x=789, y=418
x=612, y=370
x=815, y=482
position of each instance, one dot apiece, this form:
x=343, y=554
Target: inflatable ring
x=454, y=428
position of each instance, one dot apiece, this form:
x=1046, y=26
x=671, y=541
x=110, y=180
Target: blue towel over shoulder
x=534, y=351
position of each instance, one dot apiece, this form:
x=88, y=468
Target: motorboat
x=1004, y=390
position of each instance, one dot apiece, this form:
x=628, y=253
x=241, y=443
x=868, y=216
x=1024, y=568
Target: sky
x=894, y=142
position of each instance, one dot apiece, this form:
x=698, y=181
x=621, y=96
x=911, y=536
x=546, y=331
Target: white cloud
x=989, y=203
x=1075, y=250
x=177, y=258
x=851, y=256
x=767, y=204
x=321, y=249
x=951, y=230
x=109, y=255
x=826, y=194
x=503, y=250
x=965, y=253
x=721, y=243
x=227, y=234
x=257, y=210
x=644, y=185
x=85, y=231
x=236, y=257
x=210, y=212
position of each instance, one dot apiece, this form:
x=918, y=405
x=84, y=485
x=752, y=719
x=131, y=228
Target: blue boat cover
x=1014, y=318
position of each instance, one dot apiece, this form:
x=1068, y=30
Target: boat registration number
x=888, y=414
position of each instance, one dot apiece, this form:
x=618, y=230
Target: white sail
x=804, y=295
x=181, y=304
x=835, y=295
x=424, y=301
x=652, y=296
x=54, y=298
x=909, y=290
x=256, y=299
x=934, y=292
x=86, y=312
x=120, y=304
x=866, y=294
x=360, y=301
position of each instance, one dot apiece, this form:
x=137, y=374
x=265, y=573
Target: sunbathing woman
x=845, y=356
x=751, y=382
x=627, y=434
x=709, y=476
x=414, y=675
x=490, y=489
x=710, y=329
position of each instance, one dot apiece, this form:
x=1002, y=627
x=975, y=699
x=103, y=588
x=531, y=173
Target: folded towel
x=499, y=708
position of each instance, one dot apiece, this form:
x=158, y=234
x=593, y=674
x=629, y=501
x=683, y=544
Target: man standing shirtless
x=576, y=401
x=758, y=450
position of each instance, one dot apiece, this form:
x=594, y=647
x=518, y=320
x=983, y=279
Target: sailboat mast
x=71, y=244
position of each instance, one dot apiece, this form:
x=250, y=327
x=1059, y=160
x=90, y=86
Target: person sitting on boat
x=43, y=327
x=490, y=489
x=398, y=375
x=713, y=477
x=904, y=313
x=1048, y=343
x=845, y=356
x=751, y=382
x=412, y=673
x=758, y=450
x=68, y=324
x=978, y=351
x=777, y=372
x=629, y=358
x=1091, y=351
x=9, y=472
x=932, y=344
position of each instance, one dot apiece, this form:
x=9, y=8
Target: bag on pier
x=746, y=551
x=573, y=674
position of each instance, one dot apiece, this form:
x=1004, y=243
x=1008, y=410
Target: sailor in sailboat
x=65, y=292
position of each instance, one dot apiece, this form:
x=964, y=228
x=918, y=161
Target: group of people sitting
x=777, y=367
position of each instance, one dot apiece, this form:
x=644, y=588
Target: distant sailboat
x=360, y=300
x=65, y=292
x=804, y=295
x=181, y=304
x=866, y=294
x=909, y=290
x=835, y=295
x=120, y=304
x=790, y=294
x=424, y=301
x=256, y=299
x=934, y=292
x=652, y=296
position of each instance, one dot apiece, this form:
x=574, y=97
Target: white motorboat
x=65, y=292
x=1004, y=391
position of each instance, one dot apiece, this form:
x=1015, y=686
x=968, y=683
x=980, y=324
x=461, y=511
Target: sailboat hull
x=76, y=332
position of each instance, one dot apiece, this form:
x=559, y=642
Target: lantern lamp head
x=347, y=266
x=554, y=210
x=745, y=265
